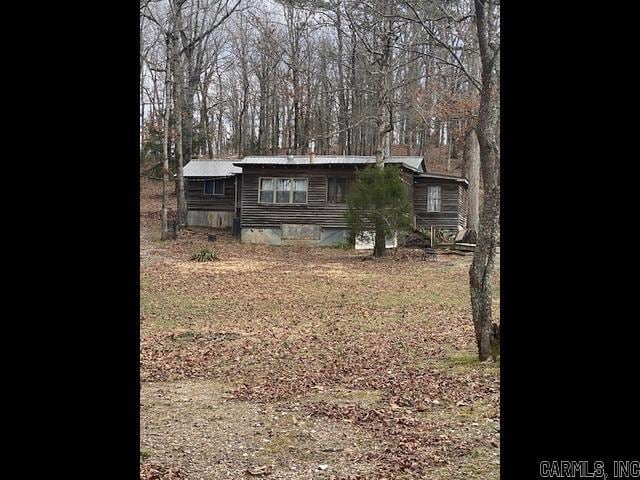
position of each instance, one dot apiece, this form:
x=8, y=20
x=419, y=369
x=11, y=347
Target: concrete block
x=263, y=236
x=332, y=236
x=300, y=232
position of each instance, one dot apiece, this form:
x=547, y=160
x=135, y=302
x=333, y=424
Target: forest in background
x=261, y=77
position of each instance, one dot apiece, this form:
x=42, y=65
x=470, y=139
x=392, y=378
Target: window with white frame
x=214, y=187
x=433, y=198
x=282, y=190
x=338, y=189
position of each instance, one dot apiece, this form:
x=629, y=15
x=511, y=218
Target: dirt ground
x=301, y=363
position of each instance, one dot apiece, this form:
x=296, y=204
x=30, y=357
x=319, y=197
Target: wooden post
x=235, y=195
x=432, y=239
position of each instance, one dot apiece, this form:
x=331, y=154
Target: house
x=441, y=201
x=212, y=189
x=302, y=199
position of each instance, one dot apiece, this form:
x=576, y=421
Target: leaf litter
x=296, y=329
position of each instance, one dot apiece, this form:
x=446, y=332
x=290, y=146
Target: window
x=282, y=190
x=266, y=190
x=214, y=187
x=433, y=198
x=338, y=189
x=299, y=190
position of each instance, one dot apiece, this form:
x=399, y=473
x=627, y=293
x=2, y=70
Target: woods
x=258, y=78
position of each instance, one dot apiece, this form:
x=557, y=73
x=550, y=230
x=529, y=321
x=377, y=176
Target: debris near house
x=466, y=236
x=465, y=247
x=465, y=240
x=416, y=238
x=450, y=251
x=430, y=254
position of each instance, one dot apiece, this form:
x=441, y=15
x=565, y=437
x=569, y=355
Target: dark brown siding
x=197, y=200
x=407, y=179
x=449, y=216
x=316, y=212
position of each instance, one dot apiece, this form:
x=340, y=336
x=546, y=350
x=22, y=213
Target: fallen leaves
x=295, y=324
x=153, y=471
x=259, y=471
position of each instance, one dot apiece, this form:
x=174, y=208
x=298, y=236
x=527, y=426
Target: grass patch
x=205, y=254
x=479, y=465
x=279, y=445
x=170, y=310
x=146, y=453
x=452, y=294
x=460, y=362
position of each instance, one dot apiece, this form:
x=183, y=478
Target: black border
x=568, y=367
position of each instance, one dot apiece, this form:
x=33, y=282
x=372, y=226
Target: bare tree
x=487, y=14
x=165, y=144
x=471, y=164
x=178, y=102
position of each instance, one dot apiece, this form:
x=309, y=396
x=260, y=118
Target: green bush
x=378, y=201
x=205, y=254
x=346, y=244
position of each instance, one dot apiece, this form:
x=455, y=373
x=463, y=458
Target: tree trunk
x=342, y=99
x=379, y=248
x=181, y=216
x=383, y=119
x=205, y=119
x=220, y=115
x=241, y=119
x=481, y=272
x=142, y=154
x=471, y=167
x=187, y=119
x=165, y=147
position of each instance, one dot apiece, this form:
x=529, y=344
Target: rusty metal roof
x=443, y=177
x=211, y=168
x=413, y=163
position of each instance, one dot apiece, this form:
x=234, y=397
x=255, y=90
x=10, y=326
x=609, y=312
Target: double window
x=338, y=189
x=283, y=190
x=214, y=187
x=433, y=198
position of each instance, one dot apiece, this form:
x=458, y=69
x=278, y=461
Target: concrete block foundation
x=309, y=235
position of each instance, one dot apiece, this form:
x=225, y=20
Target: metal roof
x=443, y=177
x=211, y=168
x=414, y=163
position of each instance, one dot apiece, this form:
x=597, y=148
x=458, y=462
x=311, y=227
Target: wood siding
x=315, y=212
x=407, y=179
x=450, y=215
x=197, y=200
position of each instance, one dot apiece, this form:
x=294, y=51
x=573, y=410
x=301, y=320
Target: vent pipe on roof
x=312, y=151
x=289, y=156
